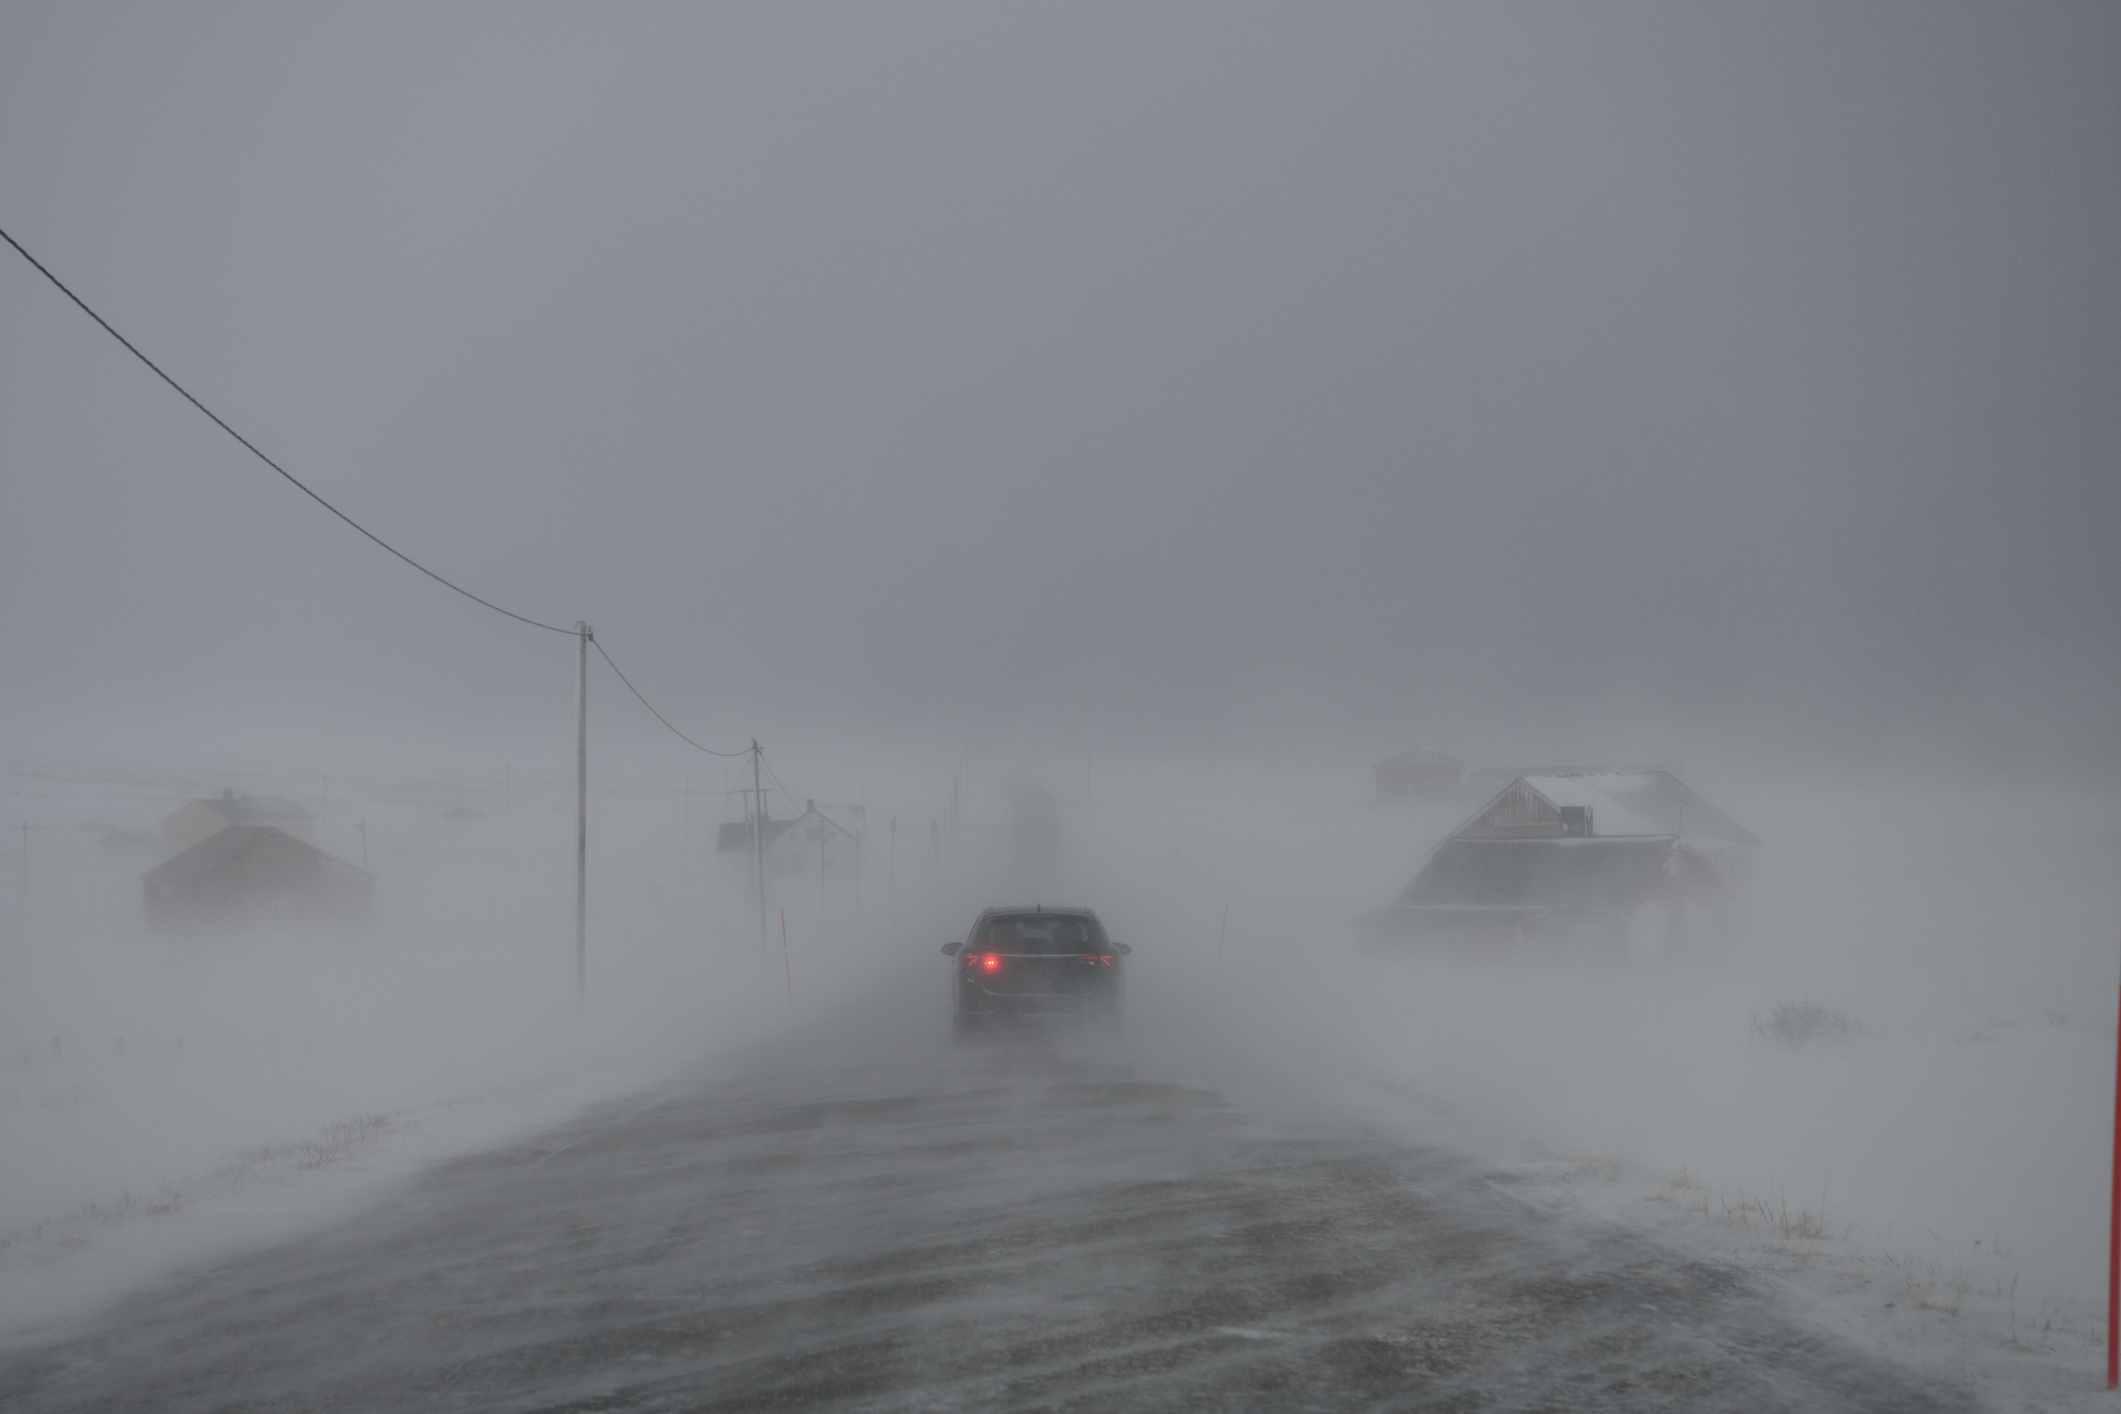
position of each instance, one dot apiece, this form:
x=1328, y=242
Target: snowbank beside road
x=1900, y=1094
x=166, y=1097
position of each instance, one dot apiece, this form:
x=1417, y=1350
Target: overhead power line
x=251, y=447
x=598, y=644
x=772, y=776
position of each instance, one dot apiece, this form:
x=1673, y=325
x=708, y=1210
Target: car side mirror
x=1123, y=949
x=950, y=949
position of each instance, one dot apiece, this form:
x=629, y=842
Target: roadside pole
x=2113, y=1241
x=581, y=819
x=758, y=841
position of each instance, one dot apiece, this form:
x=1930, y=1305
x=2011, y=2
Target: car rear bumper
x=1030, y=1005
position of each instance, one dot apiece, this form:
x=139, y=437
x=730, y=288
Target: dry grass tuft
x=1791, y=1024
x=331, y=1144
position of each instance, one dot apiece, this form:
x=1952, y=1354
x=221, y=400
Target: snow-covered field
x=1933, y=1177
x=1936, y=1176
x=163, y=1097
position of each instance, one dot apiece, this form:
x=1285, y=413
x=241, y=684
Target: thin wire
x=252, y=448
x=771, y=776
x=249, y=446
x=598, y=644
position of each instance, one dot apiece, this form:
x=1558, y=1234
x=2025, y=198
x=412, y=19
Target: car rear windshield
x=1039, y=932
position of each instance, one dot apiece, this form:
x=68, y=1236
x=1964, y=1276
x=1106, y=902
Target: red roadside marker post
x=2113, y=1241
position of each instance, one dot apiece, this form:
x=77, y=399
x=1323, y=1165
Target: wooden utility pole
x=581, y=817
x=787, y=973
x=758, y=841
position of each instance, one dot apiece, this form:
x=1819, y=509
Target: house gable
x=1614, y=804
x=1631, y=860
x=194, y=821
x=1519, y=812
x=735, y=836
x=254, y=872
x=809, y=831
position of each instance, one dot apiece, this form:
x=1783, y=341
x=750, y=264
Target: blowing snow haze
x=1078, y=443
x=1630, y=382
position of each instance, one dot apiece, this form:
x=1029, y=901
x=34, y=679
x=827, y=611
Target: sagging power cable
x=295, y=482
x=771, y=776
x=251, y=447
x=598, y=644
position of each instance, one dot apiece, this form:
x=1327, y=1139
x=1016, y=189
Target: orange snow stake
x=2113, y=1241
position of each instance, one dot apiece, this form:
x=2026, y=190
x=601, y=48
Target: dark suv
x=1021, y=964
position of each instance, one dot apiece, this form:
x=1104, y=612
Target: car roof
x=1061, y=910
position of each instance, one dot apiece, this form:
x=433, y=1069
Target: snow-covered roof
x=734, y=836
x=222, y=846
x=1640, y=803
x=253, y=809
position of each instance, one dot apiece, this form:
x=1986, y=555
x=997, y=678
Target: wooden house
x=253, y=875
x=812, y=848
x=1612, y=863
x=194, y=822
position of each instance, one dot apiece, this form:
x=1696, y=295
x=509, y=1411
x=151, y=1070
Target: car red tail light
x=992, y=962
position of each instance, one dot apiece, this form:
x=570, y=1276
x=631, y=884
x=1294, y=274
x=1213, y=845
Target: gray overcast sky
x=1539, y=380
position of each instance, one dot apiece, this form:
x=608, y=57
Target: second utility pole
x=758, y=840
x=581, y=819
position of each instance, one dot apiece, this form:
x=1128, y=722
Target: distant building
x=1486, y=780
x=812, y=847
x=201, y=818
x=1418, y=774
x=1626, y=864
x=247, y=875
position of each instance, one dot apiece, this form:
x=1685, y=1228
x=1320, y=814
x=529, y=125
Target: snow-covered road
x=1009, y=1225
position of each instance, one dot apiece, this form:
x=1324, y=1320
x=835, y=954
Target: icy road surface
x=1013, y=1225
